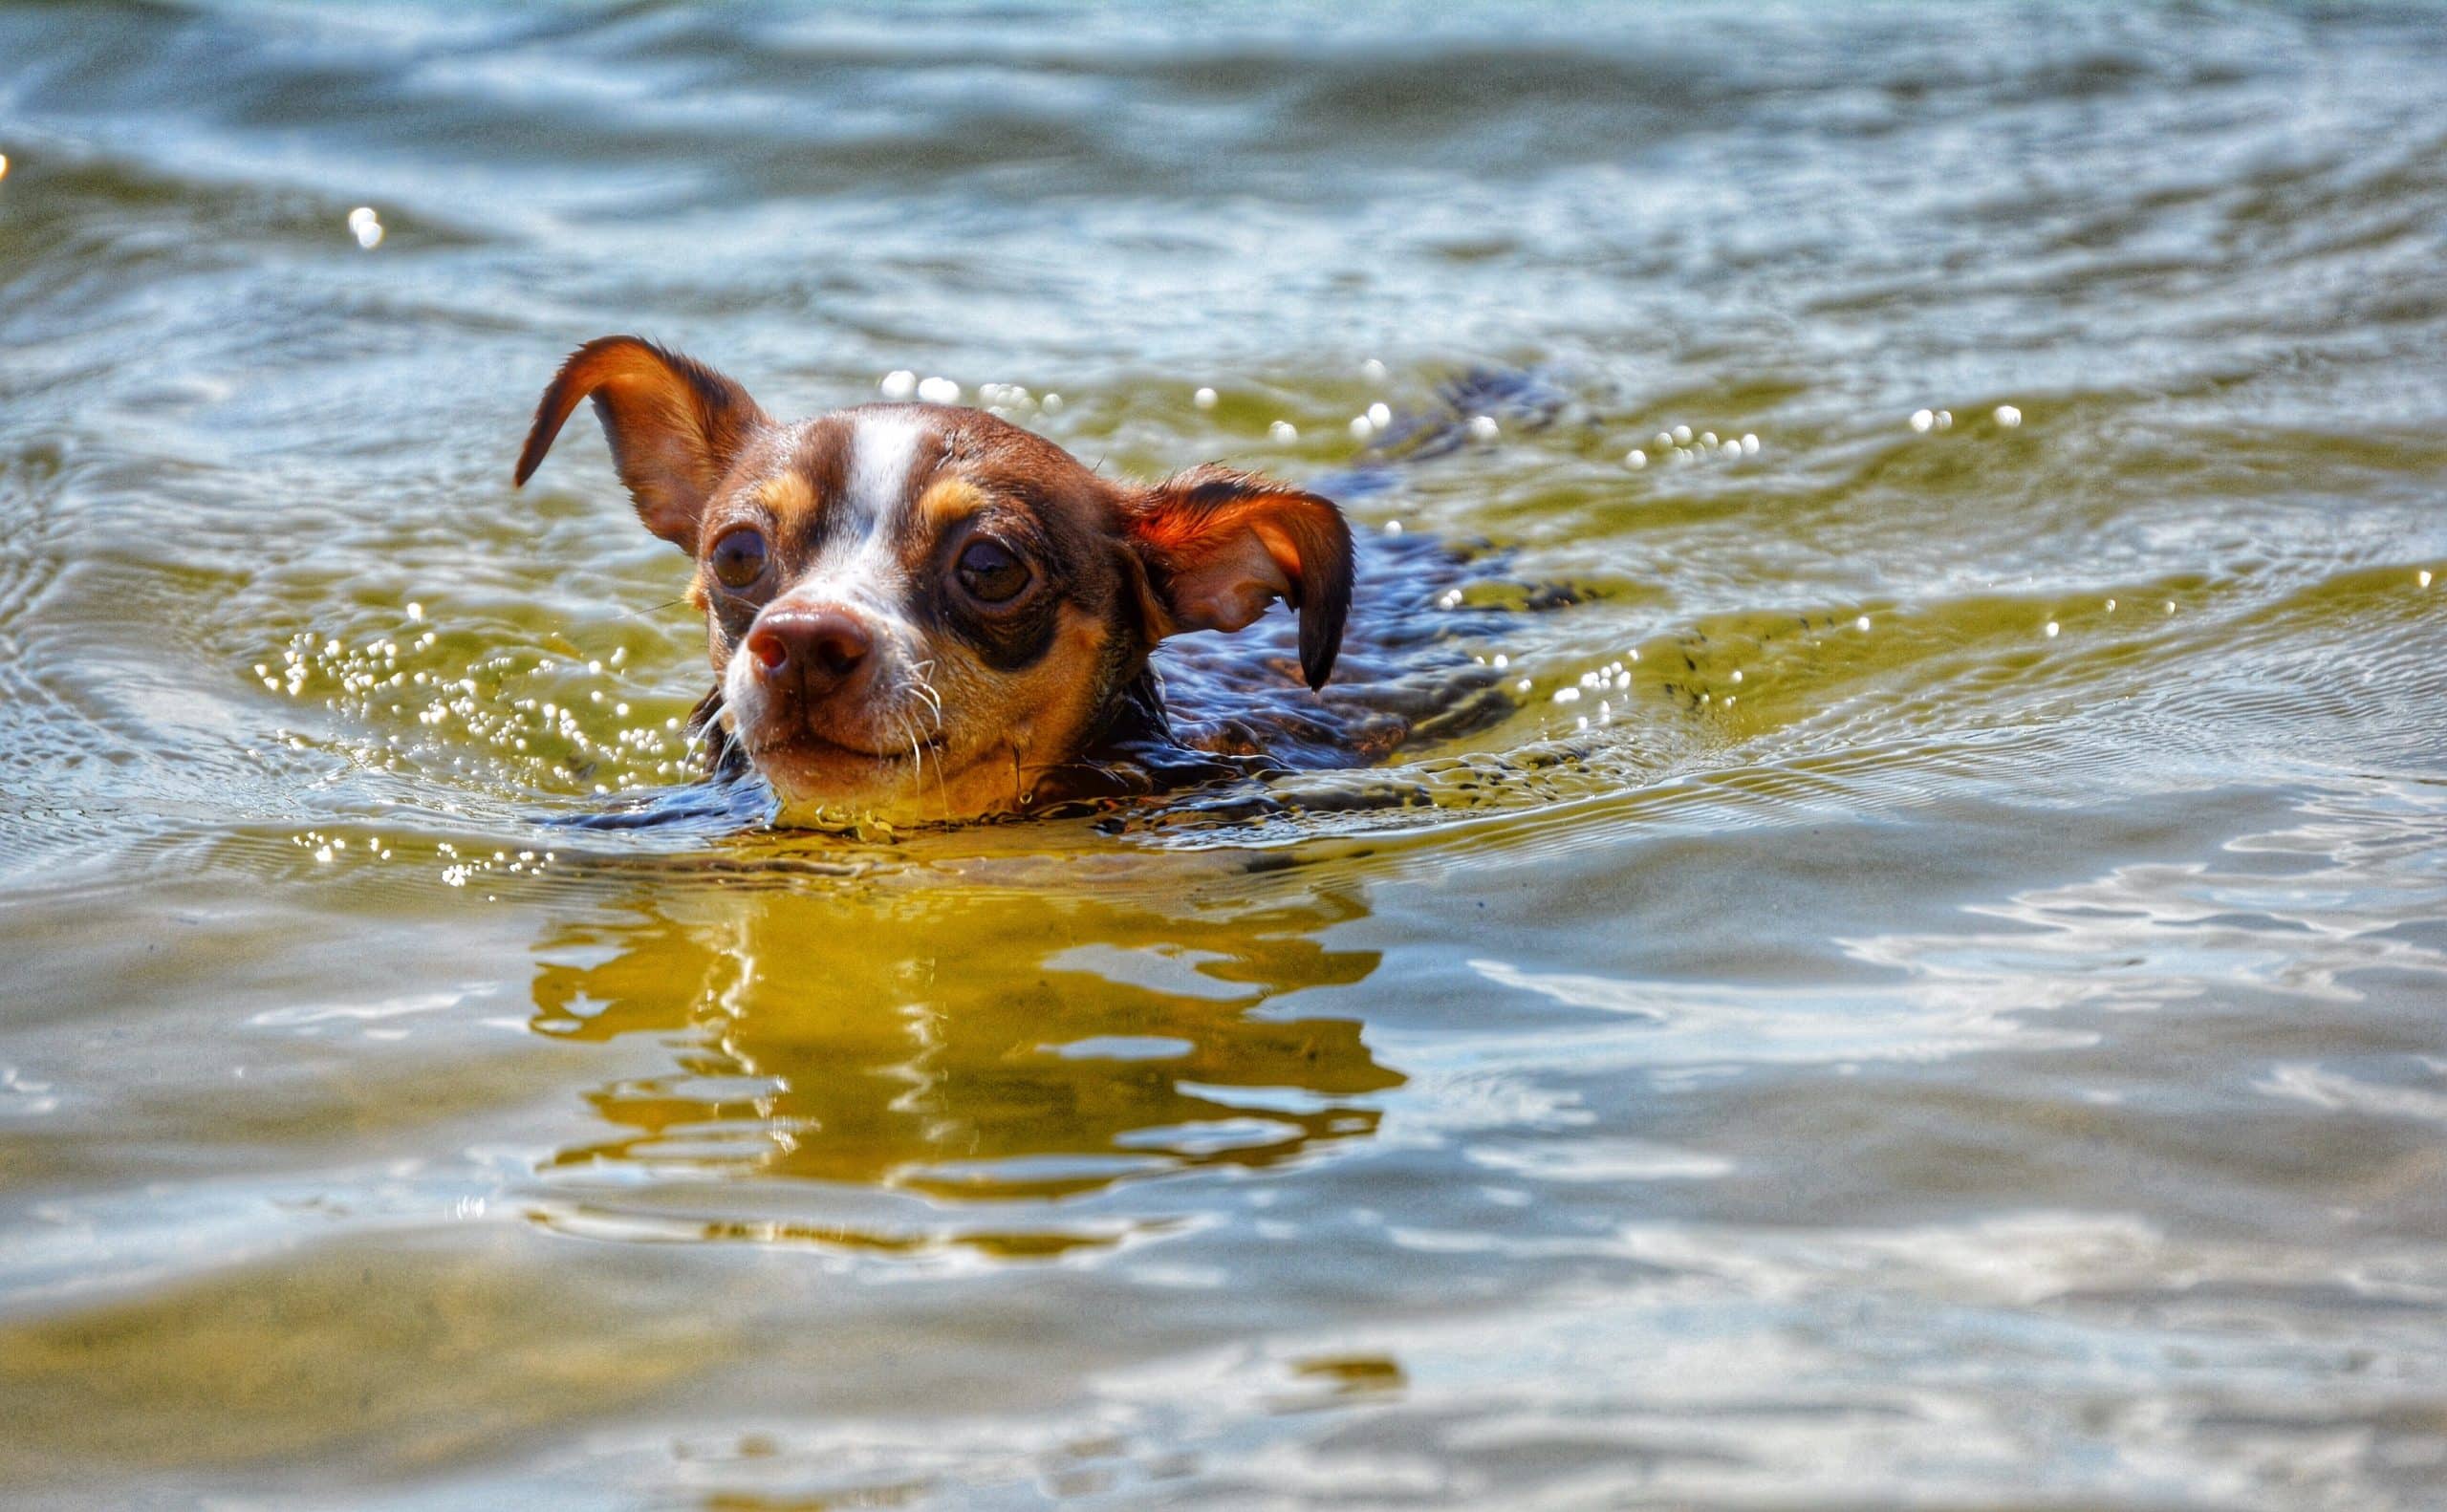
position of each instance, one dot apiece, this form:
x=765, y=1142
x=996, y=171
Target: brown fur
x=952, y=706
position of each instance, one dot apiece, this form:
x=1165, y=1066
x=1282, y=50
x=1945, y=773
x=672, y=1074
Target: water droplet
x=1283, y=432
x=1380, y=416
x=1361, y=428
x=1862, y=623
x=1052, y=404
x=366, y=227
x=1392, y=527
x=939, y=391
x=2051, y=630
x=1749, y=444
x=1922, y=419
x=2008, y=416
x=1635, y=459
x=1484, y=428
x=1373, y=370
x=899, y=383
x=1681, y=435
x=2423, y=578
x=1204, y=398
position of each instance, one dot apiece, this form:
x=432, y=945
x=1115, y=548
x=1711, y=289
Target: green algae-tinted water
x=1963, y=1023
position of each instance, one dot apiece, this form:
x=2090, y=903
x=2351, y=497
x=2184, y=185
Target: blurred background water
x=1933, y=998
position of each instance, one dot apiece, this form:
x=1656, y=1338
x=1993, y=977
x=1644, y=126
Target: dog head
x=919, y=612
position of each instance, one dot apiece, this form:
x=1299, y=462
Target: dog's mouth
x=806, y=746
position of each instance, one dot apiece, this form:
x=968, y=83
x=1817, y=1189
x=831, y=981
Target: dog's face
x=919, y=612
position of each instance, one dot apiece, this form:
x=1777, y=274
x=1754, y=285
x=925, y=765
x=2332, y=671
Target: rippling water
x=1934, y=995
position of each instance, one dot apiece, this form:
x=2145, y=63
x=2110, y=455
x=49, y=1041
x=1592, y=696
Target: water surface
x=1932, y=995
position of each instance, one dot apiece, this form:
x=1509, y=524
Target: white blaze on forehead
x=860, y=561
x=883, y=449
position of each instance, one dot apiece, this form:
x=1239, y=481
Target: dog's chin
x=827, y=784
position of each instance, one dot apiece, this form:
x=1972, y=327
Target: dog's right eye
x=738, y=559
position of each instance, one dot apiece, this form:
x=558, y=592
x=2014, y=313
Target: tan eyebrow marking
x=946, y=501
x=790, y=498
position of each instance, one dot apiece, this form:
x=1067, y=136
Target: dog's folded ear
x=675, y=425
x=1219, y=545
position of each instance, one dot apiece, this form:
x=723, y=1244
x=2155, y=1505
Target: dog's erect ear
x=1219, y=545
x=675, y=425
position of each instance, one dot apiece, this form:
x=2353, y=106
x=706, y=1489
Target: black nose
x=813, y=651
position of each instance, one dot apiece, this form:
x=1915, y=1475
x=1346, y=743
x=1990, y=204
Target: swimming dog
x=922, y=613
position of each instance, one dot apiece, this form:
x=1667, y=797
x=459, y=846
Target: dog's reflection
x=999, y=1045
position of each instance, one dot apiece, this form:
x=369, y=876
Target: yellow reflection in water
x=962, y=1044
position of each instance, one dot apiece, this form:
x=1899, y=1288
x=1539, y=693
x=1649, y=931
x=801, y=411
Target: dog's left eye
x=991, y=572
